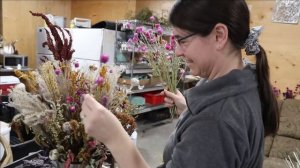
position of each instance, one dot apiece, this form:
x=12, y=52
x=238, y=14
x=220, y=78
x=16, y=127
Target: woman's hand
x=99, y=122
x=177, y=99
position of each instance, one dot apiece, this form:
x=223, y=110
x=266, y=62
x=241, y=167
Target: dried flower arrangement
x=288, y=94
x=50, y=105
x=158, y=52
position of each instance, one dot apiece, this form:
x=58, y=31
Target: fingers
x=169, y=94
x=168, y=100
x=178, y=93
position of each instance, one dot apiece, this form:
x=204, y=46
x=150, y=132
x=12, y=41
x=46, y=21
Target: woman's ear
x=221, y=35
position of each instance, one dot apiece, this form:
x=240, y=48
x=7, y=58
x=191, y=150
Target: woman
x=225, y=118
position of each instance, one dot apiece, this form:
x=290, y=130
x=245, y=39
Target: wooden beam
x=1, y=20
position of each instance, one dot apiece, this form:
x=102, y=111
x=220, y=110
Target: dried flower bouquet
x=49, y=101
x=159, y=53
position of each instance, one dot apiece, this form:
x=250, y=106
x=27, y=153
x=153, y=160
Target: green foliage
x=144, y=14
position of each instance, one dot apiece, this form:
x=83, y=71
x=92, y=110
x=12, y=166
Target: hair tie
x=251, y=45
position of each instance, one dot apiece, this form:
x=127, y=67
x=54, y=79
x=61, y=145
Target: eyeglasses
x=180, y=41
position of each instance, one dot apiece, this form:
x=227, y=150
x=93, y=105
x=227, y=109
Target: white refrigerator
x=88, y=44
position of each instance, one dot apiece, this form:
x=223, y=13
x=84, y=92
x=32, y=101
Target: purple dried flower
x=105, y=101
x=57, y=71
x=99, y=81
x=72, y=109
x=76, y=64
x=104, y=58
x=79, y=92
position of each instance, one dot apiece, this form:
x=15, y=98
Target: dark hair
x=201, y=16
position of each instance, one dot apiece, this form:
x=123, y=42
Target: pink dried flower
x=130, y=41
x=139, y=29
x=159, y=31
x=143, y=48
x=99, y=81
x=135, y=40
x=69, y=99
x=152, y=40
x=152, y=18
x=104, y=58
x=168, y=47
x=150, y=31
x=157, y=26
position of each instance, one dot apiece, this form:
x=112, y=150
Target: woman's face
x=197, y=51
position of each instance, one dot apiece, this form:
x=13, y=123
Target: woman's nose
x=178, y=51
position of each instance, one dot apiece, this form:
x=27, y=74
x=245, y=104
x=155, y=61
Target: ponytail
x=270, y=110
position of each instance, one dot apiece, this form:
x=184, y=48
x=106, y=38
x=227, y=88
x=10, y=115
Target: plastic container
x=154, y=98
x=5, y=130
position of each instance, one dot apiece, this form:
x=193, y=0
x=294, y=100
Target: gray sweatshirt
x=222, y=127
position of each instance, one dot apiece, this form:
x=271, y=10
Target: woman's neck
x=226, y=63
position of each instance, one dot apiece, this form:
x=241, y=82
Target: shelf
x=130, y=50
x=149, y=108
x=149, y=89
x=138, y=71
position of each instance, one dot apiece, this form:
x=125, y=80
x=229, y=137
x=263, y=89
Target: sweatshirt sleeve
x=208, y=143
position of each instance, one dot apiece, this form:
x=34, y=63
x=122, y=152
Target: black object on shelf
x=107, y=25
x=23, y=149
x=25, y=161
x=6, y=112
